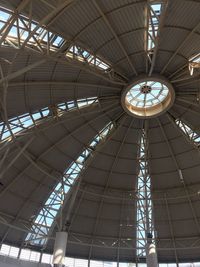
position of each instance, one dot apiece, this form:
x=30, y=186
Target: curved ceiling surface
x=103, y=46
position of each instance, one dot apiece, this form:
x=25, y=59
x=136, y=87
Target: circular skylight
x=148, y=97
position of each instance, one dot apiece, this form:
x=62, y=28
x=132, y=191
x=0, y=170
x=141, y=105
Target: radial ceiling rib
x=21, y=151
x=161, y=18
x=75, y=175
x=188, y=108
x=24, y=205
x=116, y=124
x=98, y=149
x=94, y=153
x=15, y=74
x=179, y=48
x=115, y=35
x=59, y=197
x=54, y=47
x=29, y=121
x=188, y=68
x=52, y=122
x=187, y=77
x=180, y=175
x=63, y=83
x=35, y=161
x=192, y=136
x=177, y=71
x=186, y=101
x=99, y=210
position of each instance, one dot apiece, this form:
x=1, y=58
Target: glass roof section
x=153, y=22
x=147, y=94
x=148, y=97
x=144, y=224
x=18, y=125
x=192, y=135
x=46, y=218
x=42, y=39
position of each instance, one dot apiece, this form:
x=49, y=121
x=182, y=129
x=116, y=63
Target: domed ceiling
x=69, y=71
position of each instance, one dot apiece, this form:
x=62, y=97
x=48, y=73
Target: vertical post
x=145, y=245
x=151, y=255
x=59, y=249
x=89, y=262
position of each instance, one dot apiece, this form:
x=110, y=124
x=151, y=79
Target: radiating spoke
x=144, y=224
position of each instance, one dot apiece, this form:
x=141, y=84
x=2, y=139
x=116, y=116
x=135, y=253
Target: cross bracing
x=154, y=12
x=107, y=32
x=47, y=215
x=192, y=135
x=18, y=31
x=19, y=124
x=144, y=224
x=155, y=15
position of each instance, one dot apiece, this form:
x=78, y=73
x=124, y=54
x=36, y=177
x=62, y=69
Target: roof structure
x=71, y=156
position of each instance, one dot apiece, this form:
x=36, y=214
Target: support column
x=151, y=255
x=59, y=249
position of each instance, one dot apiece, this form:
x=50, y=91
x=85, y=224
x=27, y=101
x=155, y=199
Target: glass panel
x=44, y=220
x=147, y=94
x=191, y=134
x=26, y=121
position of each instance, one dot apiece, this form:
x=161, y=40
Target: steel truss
x=46, y=218
x=192, y=136
x=155, y=14
x=18, y=31
x=144, y=224
x=194, y=63
x=18, y=124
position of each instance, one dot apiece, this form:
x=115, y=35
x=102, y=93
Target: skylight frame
x=49, y=43
x=45, y=219
x=192, y=135
x=153, y=109
x=20, y=124
x=154, y=11
x=144, y=102
x=144, y=205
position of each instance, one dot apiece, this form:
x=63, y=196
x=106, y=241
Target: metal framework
x=190, y=133
x=48, y=213
x=18, y=124
x=194, y=63
x=144, y=224
x=155, y=13
x=19, y=32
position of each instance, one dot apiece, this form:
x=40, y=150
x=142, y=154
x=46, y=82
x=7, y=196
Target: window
x=46, y=258
x=14, y=252
x=5, y=250
x=25, y=254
